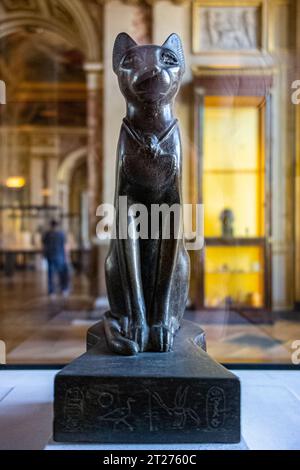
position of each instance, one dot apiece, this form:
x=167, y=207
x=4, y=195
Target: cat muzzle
x=152, y=81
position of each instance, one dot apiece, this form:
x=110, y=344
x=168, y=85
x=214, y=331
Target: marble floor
x=38, y=330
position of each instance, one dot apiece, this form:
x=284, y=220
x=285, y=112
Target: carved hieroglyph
x=186, y=408
x=229, y=28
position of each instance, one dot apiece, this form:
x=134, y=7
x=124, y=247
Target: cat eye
x=131, y=60
x=168, y=58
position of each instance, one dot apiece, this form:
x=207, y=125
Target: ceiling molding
x=70, y=19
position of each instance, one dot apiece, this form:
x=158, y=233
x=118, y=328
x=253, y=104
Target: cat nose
x=156, y=69
x=148, y=73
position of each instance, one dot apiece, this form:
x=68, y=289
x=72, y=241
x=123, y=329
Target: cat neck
x=150, y=118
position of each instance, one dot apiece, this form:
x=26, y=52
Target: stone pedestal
x=178, y=397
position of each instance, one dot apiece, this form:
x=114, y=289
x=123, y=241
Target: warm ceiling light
x=46, y=192
x=15, y=182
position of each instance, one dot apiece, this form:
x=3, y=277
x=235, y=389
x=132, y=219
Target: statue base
x=179, y=397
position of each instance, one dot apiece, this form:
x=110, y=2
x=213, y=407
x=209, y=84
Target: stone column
x=95, y=167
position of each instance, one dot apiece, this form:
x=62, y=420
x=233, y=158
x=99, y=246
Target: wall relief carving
x=227, y=28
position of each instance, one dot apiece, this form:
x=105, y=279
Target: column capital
x=93, y=75
x=93, y=67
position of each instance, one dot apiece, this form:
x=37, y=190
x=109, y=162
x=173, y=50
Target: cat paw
x=140, y=335
x=162, y=338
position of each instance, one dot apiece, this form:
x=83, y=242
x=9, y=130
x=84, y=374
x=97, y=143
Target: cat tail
x=115, y=340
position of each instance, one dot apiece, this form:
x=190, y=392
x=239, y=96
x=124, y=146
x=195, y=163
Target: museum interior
x=239, y=113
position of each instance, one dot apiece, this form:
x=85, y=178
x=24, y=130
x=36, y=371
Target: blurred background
x=240, y=122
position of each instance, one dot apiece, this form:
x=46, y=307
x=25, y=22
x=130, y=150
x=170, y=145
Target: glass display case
x=233, y=182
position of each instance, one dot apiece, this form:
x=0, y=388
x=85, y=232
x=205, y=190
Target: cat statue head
x=149, y=73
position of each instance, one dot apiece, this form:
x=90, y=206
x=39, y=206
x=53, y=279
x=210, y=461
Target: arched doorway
x=50, y=60
x=54, y=94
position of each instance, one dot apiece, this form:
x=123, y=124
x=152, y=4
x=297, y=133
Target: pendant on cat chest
x=150, y=167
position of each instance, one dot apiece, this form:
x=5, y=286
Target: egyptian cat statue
x=147, y=277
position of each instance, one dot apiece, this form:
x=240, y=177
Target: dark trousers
x=58, y=268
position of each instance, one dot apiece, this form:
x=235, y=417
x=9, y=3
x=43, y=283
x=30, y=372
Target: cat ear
x=123, y=43
x=174, y=43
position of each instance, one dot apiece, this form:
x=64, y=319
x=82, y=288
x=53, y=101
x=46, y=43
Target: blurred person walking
x=54, y=245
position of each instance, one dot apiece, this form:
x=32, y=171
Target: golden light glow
x=233, y=170
x=15, y=182
x=236, y=272
x=46, y=192
x=233, y=178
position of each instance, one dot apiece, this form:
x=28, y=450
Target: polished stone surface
x=147, y=277
x=270, y=427
x=95, y=334
x=181, y=396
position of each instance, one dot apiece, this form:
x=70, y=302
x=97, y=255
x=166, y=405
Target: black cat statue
x=139, y=381
x=151, y=275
